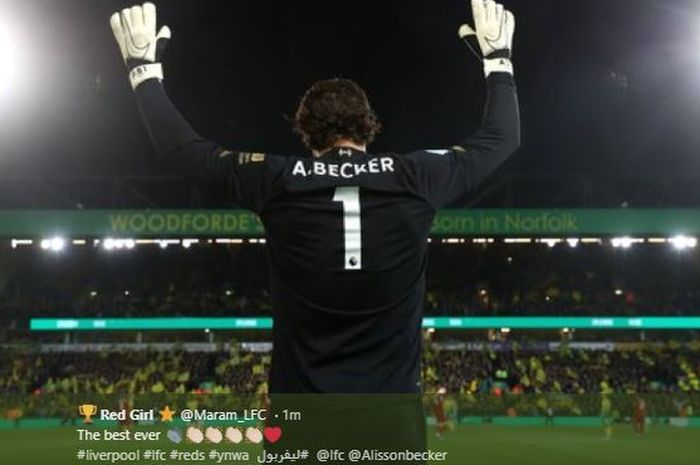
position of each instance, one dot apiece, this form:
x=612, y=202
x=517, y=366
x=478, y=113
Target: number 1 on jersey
x=352, y=225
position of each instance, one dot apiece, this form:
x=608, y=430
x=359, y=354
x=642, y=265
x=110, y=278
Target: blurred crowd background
x=650, y=368
x=494, y=372
x=484, y=382
x=494, y=280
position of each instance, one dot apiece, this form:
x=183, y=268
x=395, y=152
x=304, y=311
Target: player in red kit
x=439, y=411
x=126, y=405
x=640, y=416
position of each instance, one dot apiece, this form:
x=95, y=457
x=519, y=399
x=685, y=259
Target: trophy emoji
x=87, y=410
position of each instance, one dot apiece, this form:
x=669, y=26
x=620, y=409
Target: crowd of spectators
x=91, y=283
x=462, y=280
x=650, y=369
x=485, y=371
x=132, y=372
x=583, y=281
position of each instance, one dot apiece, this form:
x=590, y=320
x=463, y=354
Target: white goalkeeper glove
x=494, y=27
x=135, y=31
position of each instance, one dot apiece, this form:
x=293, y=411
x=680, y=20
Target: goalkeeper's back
x=347, y=231
x=347, y=235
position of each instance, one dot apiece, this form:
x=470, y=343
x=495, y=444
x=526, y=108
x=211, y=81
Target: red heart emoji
x=272, y=434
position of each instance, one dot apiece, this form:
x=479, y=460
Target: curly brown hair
x=332, y=110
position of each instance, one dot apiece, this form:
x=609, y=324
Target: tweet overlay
x=432, y=428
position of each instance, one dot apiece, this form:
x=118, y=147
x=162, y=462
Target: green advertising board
x=130, y=223
x=240, y=223
x=554, y=322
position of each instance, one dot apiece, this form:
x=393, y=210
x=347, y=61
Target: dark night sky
x=606, y=85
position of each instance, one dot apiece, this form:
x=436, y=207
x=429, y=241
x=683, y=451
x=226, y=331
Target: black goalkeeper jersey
x=347, y=237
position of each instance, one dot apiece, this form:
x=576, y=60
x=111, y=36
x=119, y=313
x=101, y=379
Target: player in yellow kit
x=607, y=416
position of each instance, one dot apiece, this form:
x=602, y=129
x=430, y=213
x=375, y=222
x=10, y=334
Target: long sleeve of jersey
x=244, y=178
x=448, y=175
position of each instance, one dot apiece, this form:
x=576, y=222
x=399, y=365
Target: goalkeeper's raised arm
x=242, y=177
x=445, y=176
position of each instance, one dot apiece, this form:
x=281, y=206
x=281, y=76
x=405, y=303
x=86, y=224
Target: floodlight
x=53, y=244
x=683, y=242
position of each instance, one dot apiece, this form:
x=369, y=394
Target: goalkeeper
x=346, y=230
